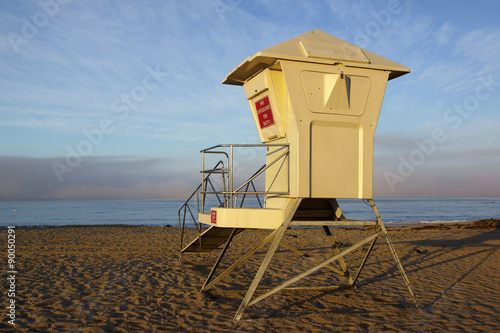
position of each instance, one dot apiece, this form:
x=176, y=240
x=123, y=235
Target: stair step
x=210, y=239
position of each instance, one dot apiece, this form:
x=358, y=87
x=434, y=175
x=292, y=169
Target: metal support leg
x=241, y=260
x=337, y=251
x=267, y=259
x=364, y=261
x=226, y=246
x=393, y=251
x=302, y=253
x=314, y=269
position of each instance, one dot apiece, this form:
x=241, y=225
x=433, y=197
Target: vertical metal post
x=231, y=175
x=182, y=228
x=198, y=201
x=224, y=184
x=203, y=189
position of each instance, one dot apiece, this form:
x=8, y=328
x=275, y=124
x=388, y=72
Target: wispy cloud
x=451, y=67
x=73, y=71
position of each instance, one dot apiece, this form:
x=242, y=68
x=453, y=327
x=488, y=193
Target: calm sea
x=164, y=212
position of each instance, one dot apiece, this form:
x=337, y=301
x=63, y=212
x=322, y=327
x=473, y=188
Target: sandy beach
x=130, y=279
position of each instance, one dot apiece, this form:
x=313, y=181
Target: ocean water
x=164, y=212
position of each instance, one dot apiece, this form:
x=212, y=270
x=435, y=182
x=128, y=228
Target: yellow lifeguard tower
x=315, y=100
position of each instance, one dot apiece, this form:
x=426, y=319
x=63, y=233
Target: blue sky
x=115, y=99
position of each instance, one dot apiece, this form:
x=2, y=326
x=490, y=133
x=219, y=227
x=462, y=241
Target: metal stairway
x=223, y=190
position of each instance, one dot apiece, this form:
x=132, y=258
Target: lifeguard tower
x=315, y=100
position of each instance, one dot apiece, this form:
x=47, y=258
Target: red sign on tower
x=264, y=112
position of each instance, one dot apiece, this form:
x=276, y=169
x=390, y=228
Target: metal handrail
x=231, y=193
x=243, y=145
x=228, y=192
x=186, y=207
x=261, y=170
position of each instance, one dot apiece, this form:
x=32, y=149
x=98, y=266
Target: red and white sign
x=264, y=112
x=213, y=216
